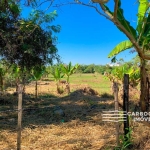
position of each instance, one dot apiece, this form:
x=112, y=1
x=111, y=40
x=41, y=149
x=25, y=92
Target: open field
x=66, y=122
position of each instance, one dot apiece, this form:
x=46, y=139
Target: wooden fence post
x=20, y=88
x=126, y=104
x=148, y=86
x=115, y=91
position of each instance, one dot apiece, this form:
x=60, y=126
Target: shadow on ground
x=49, y=109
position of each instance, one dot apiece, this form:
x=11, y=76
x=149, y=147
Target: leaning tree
x=139, y=39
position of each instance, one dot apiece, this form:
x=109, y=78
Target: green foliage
x=102, y=68
x=26, y=26
x=81, y=68
x=57, y=73
x=143, y=6
x=3, y=69
x=68, y=70
x=90, y=69
x=14, y=8
x=16, y=70
x=16, y=73
x=9, y=6
x=122, y=20
x=37, y=72
x=40, y=18
x=120, y=47
x=117, y=74
x=25, y=42
x=3, y=72
x=141, y=43
x=125, y=141
x=143, y=29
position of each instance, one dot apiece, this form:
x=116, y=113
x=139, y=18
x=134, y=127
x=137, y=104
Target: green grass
x=96, y=82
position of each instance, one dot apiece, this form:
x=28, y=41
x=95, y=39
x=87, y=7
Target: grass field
x=65, y=122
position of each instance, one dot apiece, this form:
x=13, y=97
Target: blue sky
x=86, y=37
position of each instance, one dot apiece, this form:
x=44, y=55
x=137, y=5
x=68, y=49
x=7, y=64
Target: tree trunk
x=36, y=91
x=57, y=88
x=19, y=117
x=60, y=90
x=68, y=88
x=143, y=95
x=24, y=83
x=17, y=84
x=1, y=83
x=24, y=88
x=115, y=91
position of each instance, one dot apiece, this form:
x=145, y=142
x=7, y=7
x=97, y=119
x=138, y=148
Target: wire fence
x=20, y=109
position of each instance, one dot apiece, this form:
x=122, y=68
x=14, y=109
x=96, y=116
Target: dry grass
x=79, y=128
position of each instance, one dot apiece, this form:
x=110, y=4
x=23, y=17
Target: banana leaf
x=120, y=48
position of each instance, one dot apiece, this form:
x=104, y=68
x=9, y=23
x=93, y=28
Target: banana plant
x=135, y=77
x=56, y=72
x=139, y=38
x=134, y=74
x=117, y=74
x=36, y=74
x=68, y=71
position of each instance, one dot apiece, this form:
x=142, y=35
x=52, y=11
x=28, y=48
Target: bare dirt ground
x=64, y=122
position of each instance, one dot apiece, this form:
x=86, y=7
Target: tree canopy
x=24, y=41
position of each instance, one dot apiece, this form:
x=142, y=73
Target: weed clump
x=90, y=91
x=106, y=95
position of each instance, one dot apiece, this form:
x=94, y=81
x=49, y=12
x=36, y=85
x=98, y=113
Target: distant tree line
x=92, y=68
